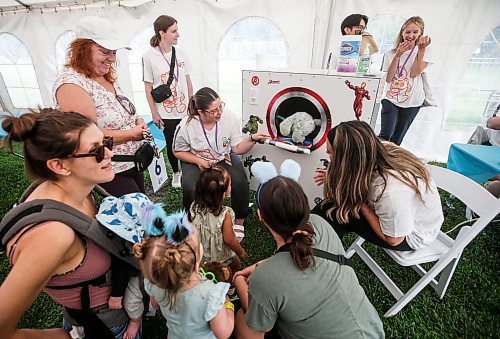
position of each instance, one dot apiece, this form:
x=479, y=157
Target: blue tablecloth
x=477, y=162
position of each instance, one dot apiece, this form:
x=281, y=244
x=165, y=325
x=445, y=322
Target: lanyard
x=175, y=76
x=399, y=71
x=216, y=136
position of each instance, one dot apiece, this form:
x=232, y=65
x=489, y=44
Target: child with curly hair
x=214, y=221
x=169, y=258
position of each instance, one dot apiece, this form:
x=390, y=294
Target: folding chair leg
x=352, y=249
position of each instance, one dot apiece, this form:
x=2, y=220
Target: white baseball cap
x=101, y=31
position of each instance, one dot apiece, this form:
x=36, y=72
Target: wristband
x=229, y=306
x=251, y=138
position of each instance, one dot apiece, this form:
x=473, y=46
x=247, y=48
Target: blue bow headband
x=176, y=226
x=265, y=171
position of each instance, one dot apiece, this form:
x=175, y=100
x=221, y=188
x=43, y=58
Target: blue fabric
x=476, y=162
x=157, y=135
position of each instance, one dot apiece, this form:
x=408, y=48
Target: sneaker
x=176, y=180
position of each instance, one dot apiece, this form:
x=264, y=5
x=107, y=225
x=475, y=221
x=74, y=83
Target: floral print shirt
x=109, y=112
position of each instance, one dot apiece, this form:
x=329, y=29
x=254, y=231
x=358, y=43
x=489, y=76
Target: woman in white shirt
x=208, y=136
x=378, y=190
x=156, y=70
x=404, y=92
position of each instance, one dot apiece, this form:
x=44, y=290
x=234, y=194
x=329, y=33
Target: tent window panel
x=384, y=28
x=18, y=73
x=479, y=92
x=34, y=97
x=250, y=43
x=62, y=46
x=139, y=44
x=27, y=75
x=11, y=76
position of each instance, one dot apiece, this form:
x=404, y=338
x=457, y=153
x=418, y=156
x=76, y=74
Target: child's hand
x=243, y=255
x=423, y=42
x=115, y=303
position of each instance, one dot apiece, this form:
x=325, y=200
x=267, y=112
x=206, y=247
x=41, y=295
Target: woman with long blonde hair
x=404, y=92
x=378, y=190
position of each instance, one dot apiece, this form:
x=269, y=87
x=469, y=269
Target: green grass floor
x=470, y=308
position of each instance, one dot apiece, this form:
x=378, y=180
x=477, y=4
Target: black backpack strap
x=338, y=258
x=36, y=211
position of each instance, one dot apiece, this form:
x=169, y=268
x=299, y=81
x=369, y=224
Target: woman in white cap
x=157, y=62
x=88, y=85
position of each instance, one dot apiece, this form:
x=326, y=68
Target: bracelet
x=251, y=138
x=229, y=306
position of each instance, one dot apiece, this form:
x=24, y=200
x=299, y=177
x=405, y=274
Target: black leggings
x=129, y=181
x=169, y=126
x=239, y=185
x=359, y=226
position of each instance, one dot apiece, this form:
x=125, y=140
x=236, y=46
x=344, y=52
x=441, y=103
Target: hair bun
x=19, y=128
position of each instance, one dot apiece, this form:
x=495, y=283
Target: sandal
x=239, y=231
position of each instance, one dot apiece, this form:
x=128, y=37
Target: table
x=476, y=162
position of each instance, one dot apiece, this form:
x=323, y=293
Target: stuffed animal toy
x=299, y=125
x=215, y=270
x=252, y=124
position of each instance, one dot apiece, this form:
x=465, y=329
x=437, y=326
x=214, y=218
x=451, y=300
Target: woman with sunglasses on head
x=88, y=85
x=66, y=154
x=208, y=136
x=156, y=71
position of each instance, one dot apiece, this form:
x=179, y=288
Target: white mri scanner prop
x=274, y=96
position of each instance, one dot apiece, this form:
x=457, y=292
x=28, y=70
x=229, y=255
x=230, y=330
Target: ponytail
x=301, y=243
x=192, y=110
x=154, y=41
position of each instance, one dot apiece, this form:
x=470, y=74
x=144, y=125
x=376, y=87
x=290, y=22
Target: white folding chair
x=444, y=251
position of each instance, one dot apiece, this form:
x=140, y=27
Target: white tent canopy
x=284, y=35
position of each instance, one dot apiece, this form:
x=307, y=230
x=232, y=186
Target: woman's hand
x=137, y=132
x=320, y=176
x=157, y=119
x=403, y=47
x=202, y=163
x=259, y=137
x=423, y=42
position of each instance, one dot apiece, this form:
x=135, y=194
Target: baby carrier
x=34, y=212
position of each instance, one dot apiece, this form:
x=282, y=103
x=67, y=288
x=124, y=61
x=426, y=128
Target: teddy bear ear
x=227, y=274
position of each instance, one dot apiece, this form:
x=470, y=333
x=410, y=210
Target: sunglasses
x=126, y=104
x=98, y=153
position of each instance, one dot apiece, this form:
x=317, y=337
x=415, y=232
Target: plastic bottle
x=364, y=62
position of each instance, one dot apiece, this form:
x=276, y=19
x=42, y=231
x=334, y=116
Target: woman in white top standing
x=404, y=93
x=156, y=70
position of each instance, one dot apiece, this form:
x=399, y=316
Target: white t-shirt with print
x=189, y=137
x=401, y=213
x=110, y=114
x=156, y=69
x=405, y=91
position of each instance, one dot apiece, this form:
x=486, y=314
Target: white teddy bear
x=298, y=126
